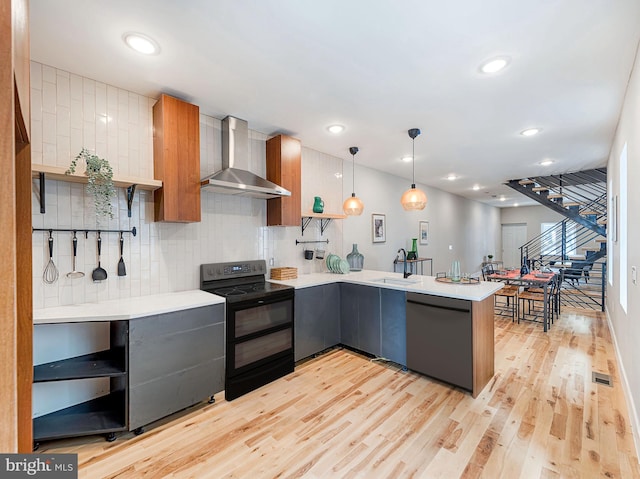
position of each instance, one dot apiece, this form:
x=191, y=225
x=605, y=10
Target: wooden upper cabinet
x=283, y=168
x=176, y=160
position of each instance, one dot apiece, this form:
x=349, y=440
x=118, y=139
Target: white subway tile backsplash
x=63, y=86
x=162, y=257
x=35, y=79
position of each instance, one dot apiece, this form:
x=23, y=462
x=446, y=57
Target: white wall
x=532, y=216
x=626, y=326
x=471, y=228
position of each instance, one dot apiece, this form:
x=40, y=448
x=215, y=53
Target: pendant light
x=353, y=206
x=413, y=198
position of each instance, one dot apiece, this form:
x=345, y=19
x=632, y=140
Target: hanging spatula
x=122, y=270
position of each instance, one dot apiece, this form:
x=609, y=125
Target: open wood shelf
x=105, y=414
x=57, y=173
x=325, y=219
x=109, y=363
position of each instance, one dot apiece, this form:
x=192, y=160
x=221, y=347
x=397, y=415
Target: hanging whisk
x=50, y=274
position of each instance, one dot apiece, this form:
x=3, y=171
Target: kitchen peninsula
x=442, y=330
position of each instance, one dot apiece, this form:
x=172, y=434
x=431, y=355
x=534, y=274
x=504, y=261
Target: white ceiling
x=379, y=67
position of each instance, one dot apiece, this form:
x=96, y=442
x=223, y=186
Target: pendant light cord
x=353, y=175
x=413, y=162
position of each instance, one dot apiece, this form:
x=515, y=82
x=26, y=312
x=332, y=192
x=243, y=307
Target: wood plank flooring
x=344, y=416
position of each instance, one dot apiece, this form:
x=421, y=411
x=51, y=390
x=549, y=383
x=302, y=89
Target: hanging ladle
x=74, y=273
x=99, y=273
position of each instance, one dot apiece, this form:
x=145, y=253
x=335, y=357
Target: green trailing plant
x=489, y=257
x=100, y=184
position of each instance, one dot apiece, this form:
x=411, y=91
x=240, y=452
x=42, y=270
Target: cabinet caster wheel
x=36, y=446
x=110, y=437
x=138, y=431
x=404, y=369
x=212, y=400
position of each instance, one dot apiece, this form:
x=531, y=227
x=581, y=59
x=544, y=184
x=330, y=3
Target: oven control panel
x=215, y=271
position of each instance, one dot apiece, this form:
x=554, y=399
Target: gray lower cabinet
x=360, y=321
x=175, y=360
x=317, y=319
x=393, y=325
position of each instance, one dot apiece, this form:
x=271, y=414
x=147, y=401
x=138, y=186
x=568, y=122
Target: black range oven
x=259, y=324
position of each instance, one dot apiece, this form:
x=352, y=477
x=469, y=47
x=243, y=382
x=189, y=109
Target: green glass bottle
x=413, y=254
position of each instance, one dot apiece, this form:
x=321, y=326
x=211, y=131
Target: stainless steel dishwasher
x=439, y=338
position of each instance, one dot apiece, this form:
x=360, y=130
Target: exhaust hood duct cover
x=235, y=178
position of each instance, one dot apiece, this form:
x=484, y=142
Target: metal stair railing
x=556, y=243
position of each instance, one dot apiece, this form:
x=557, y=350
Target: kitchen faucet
x=404, y=258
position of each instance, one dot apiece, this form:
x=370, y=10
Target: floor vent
x=600, y=378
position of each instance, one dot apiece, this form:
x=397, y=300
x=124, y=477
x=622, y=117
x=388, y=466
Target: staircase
x=575, y=246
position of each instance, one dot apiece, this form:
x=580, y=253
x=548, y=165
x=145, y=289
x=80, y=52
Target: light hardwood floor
x=344, y=416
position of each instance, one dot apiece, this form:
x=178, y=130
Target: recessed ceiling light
x=451, y=177
x=476, y=187
x=530, y=131
x=494, y=65
x=502, y=198
x=546, y=162
x=406, y=159
x=336, y=129
x=515, y=204
x=141, y=43
x=338, y=175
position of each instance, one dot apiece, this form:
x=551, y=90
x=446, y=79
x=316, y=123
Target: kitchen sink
x=397, y=281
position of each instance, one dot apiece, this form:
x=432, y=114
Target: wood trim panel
x=482, y=343
x=21, y=66
x=24, y=285
x=8, y=396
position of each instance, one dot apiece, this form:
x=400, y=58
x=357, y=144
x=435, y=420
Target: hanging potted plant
x=100, y=184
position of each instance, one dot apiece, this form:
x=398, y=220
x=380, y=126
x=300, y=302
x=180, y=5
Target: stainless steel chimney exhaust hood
x=234, y=178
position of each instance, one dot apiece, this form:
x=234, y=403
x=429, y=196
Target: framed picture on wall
x=423, y=232
x=378, y=228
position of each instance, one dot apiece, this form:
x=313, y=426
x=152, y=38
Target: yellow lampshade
x=413, y=199
x=353, y=206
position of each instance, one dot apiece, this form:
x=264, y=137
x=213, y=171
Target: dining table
x=535, y=278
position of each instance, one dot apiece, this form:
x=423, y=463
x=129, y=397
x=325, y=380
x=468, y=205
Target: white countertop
x=129, y=308
x=422, y=284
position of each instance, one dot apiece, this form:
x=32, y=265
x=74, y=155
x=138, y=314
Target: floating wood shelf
x=58, y=173
x=325, y=219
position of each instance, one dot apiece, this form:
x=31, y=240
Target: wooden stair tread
x=601, y=240
x=602, y=221
x=554, y=196
x=587, y=213
x=572, y=203
x=539, y=188
x=526, y=182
